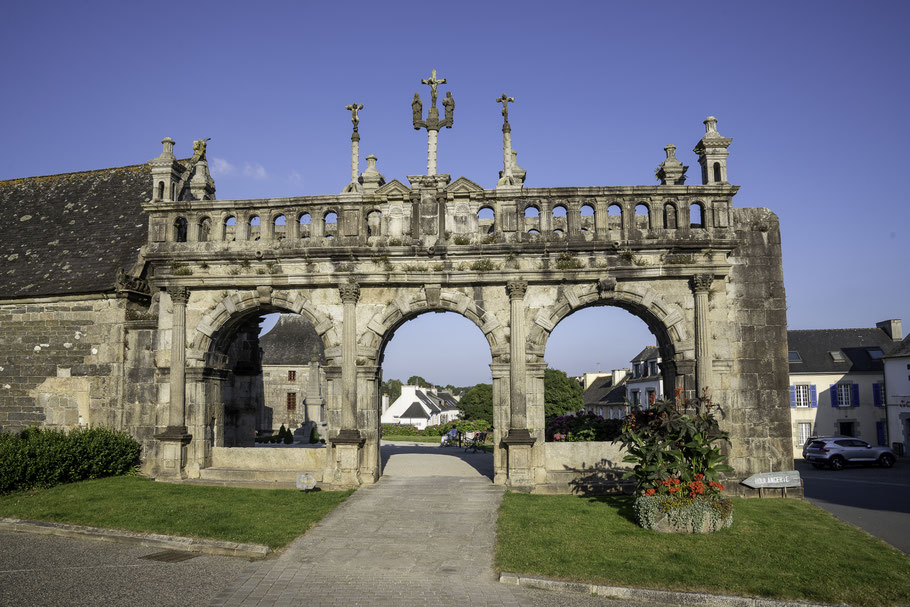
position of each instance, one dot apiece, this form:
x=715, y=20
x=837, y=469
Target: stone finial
x=712, y=153
x=371, y=179
x=711, y=125
x=354, y=108
x=671, y=171
x=167, y=149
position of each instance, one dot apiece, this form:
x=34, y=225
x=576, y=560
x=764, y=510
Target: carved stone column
x=344, y=461
x=519, y=440
x=172, y=451
x=701, y=285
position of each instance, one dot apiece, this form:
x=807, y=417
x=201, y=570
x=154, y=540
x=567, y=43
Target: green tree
x=561, y=393
x=392, y=387
x=416, y=380
x=477, y=403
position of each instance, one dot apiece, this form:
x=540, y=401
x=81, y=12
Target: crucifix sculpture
x=507, y=178
x=354, y=186
x=432, y=123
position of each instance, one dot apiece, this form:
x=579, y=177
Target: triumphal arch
x=705, y=276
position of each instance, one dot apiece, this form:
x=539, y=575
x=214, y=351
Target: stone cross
x=432, y=123
x=507, y=179
x=354, y=186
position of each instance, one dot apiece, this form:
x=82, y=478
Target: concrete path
x=411, y=539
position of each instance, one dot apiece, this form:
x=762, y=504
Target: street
x=874, y=499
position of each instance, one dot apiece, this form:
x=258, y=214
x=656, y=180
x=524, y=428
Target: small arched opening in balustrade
x=255, y=228
x=614, y=217
x=531, y=218
x=205, y=229
x=279, y=227
x=559, y=221
x=587, y=218
x=180, y=229
x=303, y=223
x=696, y=215
x=374, y=223
x=486, y=220
x=330, y=224
x=230, y=228
x=670, y=216
x=642, y=217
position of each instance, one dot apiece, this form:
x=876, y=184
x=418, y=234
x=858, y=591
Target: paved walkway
x=411, y=539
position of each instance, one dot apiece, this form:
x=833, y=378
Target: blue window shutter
x=880, y=432
x=793, y=397
x=833, y=393
x=876, y=395
x=813, y=396
x=854, y=388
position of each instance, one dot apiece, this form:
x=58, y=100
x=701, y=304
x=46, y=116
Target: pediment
x=463, y=185
x=393, y=188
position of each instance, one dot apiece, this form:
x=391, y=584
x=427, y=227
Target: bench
x=474, y=441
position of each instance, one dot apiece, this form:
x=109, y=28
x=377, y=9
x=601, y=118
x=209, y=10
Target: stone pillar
x=344, y=461
x=519, y=440
x=701, y=285
x=432, y=138
x=173, y=441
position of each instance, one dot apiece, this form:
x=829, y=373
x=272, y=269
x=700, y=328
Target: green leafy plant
x=484, y=265
x=462, y=240
x=675, y=447
x=566, y=261
x=394, y=242
x=581, y=427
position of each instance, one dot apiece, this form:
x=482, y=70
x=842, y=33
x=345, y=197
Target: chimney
x=892, y=328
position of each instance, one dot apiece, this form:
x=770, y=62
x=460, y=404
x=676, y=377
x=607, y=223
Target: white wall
x=897, y=395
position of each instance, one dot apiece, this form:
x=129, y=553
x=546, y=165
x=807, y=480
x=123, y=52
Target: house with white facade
x=837, y=382
x=421, y=407
x=645, y=385
x=605, y=394
x=897, y=396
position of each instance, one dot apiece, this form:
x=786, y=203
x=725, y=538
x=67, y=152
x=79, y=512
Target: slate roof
x=71, y=233
x=603, y=392
x=903, y=349
x=413, y=412
x=291, y=342
x=649, y=353
x=815, y=345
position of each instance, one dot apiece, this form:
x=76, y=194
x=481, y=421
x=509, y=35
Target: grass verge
x=785, y=549
x=272, y=517
x=411, y=439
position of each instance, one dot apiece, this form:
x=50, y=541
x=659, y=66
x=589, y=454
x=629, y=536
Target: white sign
x=784, y=478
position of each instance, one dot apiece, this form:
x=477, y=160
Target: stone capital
x=179, y=295
x=701, y=283
x=350, y=292
x=516, y=289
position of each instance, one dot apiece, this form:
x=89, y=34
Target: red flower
x=649, y=492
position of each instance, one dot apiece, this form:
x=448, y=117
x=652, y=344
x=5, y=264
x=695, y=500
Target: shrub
x=581, y=427
x=44, y=457
x=399, y=430
x=314, y=436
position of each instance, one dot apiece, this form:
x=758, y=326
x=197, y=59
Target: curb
x=150, y=540
x=649, y=596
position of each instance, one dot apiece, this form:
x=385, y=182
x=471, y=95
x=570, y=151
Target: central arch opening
x=435, y=375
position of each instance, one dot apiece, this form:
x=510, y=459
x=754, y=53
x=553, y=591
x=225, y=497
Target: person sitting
x=449, y=437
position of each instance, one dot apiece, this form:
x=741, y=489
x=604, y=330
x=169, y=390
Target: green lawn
x=786, y=549
x=412, y=439
x=272, y=517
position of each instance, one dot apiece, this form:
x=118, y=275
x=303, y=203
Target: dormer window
x=875, y=353
x=838, y=356
x=794, y=357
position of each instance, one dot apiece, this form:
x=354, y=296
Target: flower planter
x=668, y=514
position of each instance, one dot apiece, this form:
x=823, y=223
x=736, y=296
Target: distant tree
x=392, y=387
x=561, y=394
x=450, y=389
x=477, y=403
x=416, y=380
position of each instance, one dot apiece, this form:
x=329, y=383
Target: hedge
x=39, y=457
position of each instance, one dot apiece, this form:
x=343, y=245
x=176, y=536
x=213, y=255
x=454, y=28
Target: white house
x=645, y=384
x=421, y=407
x=897, y=395
x=837, y=382
x=605, y=394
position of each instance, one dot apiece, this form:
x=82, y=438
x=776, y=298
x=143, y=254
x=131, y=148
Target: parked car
x=815, y=438
x=838, y=451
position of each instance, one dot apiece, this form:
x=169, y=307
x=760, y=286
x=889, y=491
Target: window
x=838, y=356
x=636, y=397
x=845, y=428
x=804, y=431
x=653, y=365
x=651, y=396
x=844, y=393
x=794, y=357
x=802, y=396
x=875, y=353
x=292, y=375
x=292, y=401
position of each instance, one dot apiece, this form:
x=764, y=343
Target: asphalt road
x=874, y=499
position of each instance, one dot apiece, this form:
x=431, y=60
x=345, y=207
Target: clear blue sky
x=814, y=95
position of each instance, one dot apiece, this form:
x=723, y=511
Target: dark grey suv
x=838, y=451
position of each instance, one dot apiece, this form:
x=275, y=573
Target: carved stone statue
x=199, y=150
x=353, y=109
x=433, y=82
x=449, y=104
x=417, y=108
